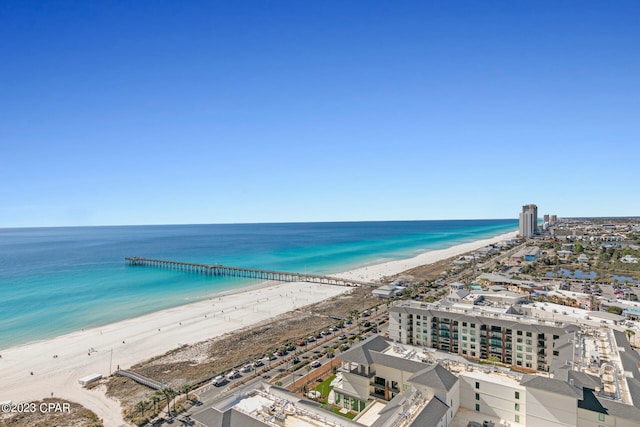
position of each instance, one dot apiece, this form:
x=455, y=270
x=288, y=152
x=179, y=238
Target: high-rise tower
x=529, y=221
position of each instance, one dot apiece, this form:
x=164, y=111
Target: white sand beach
x=58, y=363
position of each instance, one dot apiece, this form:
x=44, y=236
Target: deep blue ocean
x=58, y=280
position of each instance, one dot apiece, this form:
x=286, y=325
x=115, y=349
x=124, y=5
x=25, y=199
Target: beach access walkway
x=248, y=273
x=141, y=379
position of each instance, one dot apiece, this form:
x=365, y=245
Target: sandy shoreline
x=125, y=343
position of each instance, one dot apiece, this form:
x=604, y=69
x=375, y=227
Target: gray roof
x=591, y=402
x=436, y=377
x=396, y=362
x=212, y=417
x=370, y=352
x=431, y=415
x=361, y=354
x=461, y=293
x=551, y=385
x=391, y=410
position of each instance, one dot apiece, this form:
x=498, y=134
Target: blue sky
x=273, y=111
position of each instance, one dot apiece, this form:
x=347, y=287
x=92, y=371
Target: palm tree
x=629, y=333
x=330, y=353
x=308, y=369
x=155, y=399
x=169, y=394
x=269, y=356
x=186, y=389
x=141, y=406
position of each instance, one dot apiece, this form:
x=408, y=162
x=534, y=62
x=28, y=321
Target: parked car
x=218, y=381
x=316, y=364
x=246, y=368
x=258, y=363
x=311, y=338
x=302, y=342
x=343, y=337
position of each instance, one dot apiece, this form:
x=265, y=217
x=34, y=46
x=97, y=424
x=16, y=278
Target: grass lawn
x=325, y=387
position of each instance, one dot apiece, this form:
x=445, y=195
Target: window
x=528, y=357
x=418, y=316
x=473, y=325
x=519, y=333
x=519, y=347
x=529, y=334
x=478, y=386
x=519, y=355
x=464, y=323
x=519, y=340
x=529, y=342
x=477, y=407
x=517, y=395
x=517, y=406
x=464, y=345
x=600, y=416
x=464, y=338
x=477, y=396
x=473, y=332
x=529, y=350
x=517, y=418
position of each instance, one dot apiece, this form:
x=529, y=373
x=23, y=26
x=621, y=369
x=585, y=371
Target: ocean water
x=58, y=280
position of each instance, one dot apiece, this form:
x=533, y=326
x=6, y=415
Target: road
x=280, y=365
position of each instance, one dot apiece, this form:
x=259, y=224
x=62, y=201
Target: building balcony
x=356, y=371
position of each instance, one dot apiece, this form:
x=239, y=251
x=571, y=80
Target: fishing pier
x=248, y=273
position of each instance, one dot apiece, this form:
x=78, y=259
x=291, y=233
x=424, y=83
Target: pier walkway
x=249, y=273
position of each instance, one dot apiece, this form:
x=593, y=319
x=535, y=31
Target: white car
x=246, y=368
x=315, y=364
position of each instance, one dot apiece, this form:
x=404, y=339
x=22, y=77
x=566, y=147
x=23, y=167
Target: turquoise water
x=58, y=280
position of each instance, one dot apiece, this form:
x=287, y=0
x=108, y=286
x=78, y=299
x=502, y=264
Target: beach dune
x=54, y=366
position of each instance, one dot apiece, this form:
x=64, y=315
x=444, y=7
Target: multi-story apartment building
x=594, y=381
x=524, y=343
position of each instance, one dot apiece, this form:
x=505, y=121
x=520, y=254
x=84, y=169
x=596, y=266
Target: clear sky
x=134, y=112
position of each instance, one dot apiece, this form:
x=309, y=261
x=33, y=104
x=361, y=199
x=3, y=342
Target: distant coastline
x=75, y=276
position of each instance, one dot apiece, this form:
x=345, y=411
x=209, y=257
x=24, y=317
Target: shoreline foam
x=131, y=341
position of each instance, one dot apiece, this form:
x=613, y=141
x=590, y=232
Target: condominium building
x=529, y=221
x=524, y=343
x=593, y=381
